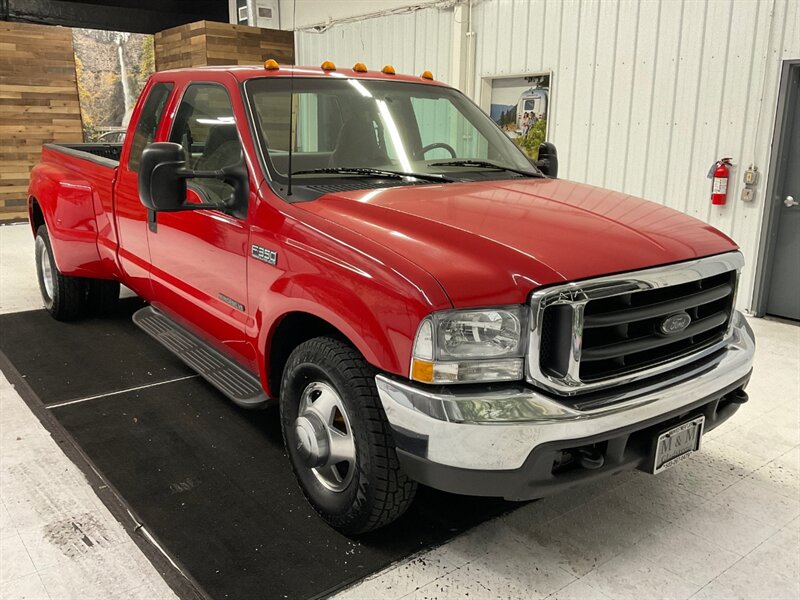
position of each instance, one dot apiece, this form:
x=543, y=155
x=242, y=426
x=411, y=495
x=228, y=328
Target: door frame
x=769, y=223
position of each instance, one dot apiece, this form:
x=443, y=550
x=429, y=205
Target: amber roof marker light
x=427, y=75
x=328, y=66
x=388, y=70
x=360, y=68
x=271, y=64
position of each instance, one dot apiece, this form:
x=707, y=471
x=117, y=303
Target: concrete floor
x=725, y=524
x=57, y=539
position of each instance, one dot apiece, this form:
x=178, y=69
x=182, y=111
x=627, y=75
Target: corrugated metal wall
x=411, y=42
x=646, y=94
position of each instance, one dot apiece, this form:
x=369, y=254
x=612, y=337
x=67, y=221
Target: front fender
x=379, y=325
x=373, y=296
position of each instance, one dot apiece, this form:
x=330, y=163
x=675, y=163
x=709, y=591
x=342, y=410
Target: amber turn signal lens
x=427, y=75
x=360, y=68
x=421, y=370
x=271, y=65
x=388, y=70
x=328, y=66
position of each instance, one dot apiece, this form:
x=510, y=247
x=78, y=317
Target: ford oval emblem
x=675, y=323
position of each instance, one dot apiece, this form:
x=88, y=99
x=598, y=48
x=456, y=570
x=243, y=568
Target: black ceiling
x=141, y=16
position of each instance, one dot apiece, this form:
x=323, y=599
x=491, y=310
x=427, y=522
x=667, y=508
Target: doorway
x=779, y=290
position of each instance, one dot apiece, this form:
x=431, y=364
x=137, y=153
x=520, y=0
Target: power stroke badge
x=231, y=302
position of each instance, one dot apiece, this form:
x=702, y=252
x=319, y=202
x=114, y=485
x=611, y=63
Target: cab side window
x=149, y=119
x=205, y=127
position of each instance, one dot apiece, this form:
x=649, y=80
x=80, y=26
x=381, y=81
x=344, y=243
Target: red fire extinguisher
x=719, y=187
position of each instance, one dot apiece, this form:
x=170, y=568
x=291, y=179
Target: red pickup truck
x=424, y=302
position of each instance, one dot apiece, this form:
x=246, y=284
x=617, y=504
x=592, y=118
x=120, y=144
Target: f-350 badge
x=268, y=256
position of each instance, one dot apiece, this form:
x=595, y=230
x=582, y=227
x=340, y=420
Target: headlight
x=463, y=346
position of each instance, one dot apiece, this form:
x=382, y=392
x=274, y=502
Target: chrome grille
x=610, y=331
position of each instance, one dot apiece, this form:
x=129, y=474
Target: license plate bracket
x=676, y=444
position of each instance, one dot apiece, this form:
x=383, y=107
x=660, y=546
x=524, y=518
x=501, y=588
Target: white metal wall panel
x=621, y=107
x=648, y=94
x=412, y=42
x=645, y=96
x=602, y=91
x=685, y=98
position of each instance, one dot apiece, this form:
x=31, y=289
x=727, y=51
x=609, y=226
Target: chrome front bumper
x=498, y=427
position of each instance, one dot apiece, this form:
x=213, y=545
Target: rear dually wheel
x=64, y=296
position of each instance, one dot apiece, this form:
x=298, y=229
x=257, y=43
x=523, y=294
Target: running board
x=240, y=386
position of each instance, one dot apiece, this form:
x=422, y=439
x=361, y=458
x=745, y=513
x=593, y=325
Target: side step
x=229, y=378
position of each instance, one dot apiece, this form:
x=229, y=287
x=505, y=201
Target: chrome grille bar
x=561, y=331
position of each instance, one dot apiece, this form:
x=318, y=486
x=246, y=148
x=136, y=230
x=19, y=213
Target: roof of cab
x=243, y=72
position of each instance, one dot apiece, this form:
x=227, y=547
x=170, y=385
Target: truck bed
x=108, y=152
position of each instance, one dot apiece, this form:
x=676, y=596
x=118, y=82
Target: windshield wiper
x=484, y=164
x=369, y=172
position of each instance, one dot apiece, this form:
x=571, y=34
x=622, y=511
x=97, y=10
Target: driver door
x=199, y=264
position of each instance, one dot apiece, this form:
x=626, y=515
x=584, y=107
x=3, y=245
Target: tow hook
x=739, y=396
x=589, y=458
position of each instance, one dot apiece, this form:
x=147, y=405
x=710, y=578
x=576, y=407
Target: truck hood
x=491, y=243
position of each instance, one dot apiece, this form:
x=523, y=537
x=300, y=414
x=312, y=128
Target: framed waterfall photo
x=112, y=68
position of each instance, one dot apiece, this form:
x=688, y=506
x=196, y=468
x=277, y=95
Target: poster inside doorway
x=519, y=105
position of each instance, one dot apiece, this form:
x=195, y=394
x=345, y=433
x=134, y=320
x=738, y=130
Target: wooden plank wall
x=209, y=43
x=39, y=94
x=38, y=104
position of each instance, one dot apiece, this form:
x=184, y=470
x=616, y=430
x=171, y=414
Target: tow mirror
x=161, y=188
x=163, y=175
x=547, y=162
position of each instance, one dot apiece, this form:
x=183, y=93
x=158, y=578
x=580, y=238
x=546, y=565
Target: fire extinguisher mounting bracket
x=716, y=165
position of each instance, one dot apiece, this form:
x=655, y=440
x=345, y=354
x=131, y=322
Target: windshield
x=344, y=124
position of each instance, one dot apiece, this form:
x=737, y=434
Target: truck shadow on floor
x=432, y=510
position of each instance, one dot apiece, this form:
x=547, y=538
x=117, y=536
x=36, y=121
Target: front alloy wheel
x=325, y=437
x=338, y=440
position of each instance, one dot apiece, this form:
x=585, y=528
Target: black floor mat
x=66, y=361
x=208, y=479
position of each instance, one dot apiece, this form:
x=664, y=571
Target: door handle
x=790, y=202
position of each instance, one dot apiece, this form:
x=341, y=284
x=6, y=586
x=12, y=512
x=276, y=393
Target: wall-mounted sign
x=520, y=106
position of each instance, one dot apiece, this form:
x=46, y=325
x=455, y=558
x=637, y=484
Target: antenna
x=291, y=97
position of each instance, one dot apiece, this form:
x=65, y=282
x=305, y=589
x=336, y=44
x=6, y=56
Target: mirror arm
x=227, y=174
x=220, y=174
x=199, y=206
x=190, y=174
x=205, y=205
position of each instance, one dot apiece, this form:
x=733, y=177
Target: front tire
x=64, y=296
x=338, y=439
